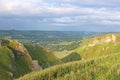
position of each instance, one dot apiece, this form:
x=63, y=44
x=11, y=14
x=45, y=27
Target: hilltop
x=99, y=46
x=92, y=47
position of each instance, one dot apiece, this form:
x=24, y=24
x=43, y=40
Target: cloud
x=64, y=13
x=108, y=22
x=94, y=2
x=23, y=6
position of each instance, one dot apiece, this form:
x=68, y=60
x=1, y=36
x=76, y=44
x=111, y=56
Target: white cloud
x=108, y=22
x=20, y=7
x=62, y=12
x=94, y=2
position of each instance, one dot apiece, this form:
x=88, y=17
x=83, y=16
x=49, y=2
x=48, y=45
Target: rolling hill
x=45, y=58
x=17, y=59
x=46, y=37
x=99, y=46
x=99, y=60
x=103, y=68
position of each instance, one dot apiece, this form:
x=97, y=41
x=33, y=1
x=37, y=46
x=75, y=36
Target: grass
x=99, y=62
x=44, y=57
x=12, y=62
x=5, y=61
x=15, y=60
x=71, y=57
x=103, y=68
x=98, y=49
x=62, y=54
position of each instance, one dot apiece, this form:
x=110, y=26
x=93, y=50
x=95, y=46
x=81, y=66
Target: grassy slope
x=99, y=49
x=15, y=60
x=44, y=57
x=71, y=57
x=21, y=67
x=62, y=54
x=11, y=64
x=5, y=61
x=92, y=51
x=103, y=68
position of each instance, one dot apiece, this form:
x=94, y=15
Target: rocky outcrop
x=108, y=39
x=35, y=65
x=21, y=52
x=0, y=43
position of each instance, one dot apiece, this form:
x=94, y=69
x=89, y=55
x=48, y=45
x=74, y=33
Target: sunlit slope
x=99, y=46
x=103, y=68
x=94, y=47
x=99, y=60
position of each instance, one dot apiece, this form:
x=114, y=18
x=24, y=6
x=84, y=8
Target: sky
x=60, y=15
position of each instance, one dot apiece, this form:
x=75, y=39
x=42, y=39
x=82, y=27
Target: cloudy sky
x=61, y=15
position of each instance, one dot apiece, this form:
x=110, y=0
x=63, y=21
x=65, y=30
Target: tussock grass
x=103, y=68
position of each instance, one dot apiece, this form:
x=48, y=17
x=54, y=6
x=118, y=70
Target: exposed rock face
x=108, y=39
x=18, y=46
x=0, y=43
x=20, y=51
x=35, y=66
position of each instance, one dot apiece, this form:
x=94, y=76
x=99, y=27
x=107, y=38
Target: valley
x=59, y=39
x=71, y=56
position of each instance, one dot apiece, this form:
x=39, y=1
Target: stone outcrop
x=20, y=51
x=108, y=39
x=35, y=66
x=0, y=43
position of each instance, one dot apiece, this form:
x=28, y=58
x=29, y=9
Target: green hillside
x=99, y=46
x=13, y=61
x=94, y=47
x=17, y=60
x=5, y=61
x=71, y=57
x=103, y=68
x=100, y=60
x=45, y=58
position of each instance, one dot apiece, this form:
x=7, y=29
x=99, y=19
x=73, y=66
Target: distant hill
x=17, y=59
x=45, y=37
